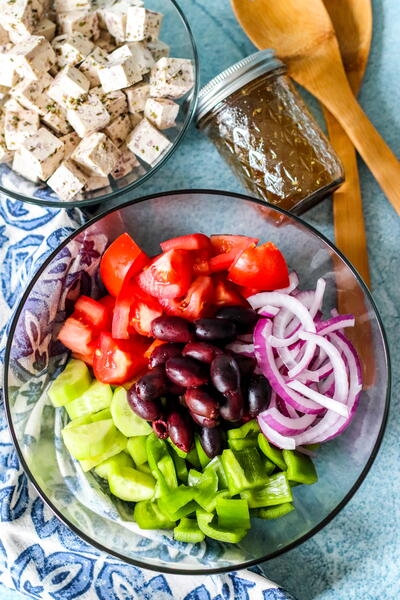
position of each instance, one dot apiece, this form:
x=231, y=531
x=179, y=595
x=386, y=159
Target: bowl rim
x=118, y=192
x=249, y=563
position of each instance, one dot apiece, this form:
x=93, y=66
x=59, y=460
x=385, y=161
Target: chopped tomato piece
x=117, y=361
x=152, y=347
x=246, y=292
x=144, y=310
x=227, y=248
x=86, y=358
x=109, y=302
x=226, y=294
x=201, y=262
x=122, y=256
x=263, y=267
x=134, y=308
x=77, y=336
x=93, y=313
x=197, y=302
x=194, y=241
x=169, y=275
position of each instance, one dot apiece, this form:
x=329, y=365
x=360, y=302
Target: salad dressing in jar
x=262, y=128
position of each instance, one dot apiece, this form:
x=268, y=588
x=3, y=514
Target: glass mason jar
x=261, y=126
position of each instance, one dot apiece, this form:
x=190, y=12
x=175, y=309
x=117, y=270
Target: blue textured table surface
x=357, y=556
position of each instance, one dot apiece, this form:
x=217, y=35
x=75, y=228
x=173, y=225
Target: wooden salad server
x=302, y=34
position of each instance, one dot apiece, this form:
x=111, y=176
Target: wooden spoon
x=302, y=34
x=352, y=20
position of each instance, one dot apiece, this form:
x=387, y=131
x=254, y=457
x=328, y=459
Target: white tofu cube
x=70, y=141
x=106, y=41
x=31, y=94
x=161, y=112
x=19, y=124
x=91, y=64
x=43, y=151
x=33, y=57
x=56, y=118
x=171, y=77
x=67, y=181
x=138, y=52
x=126, y=163
x=89, y=116
x=8, y=74
x=4, y=37
x=118, y=74
x=147, y=142
x=114, y=19
x=119, y=129
x=20, y=18
x=80, y=21
x=73, y=50
x=20, y=166
x=96, y=182
x=115, y=102
x=142, y=24
x=96, y=154
x=71, y=5
x=46, y=28
x=69, y=87
x=137, y=96
x=158, y=49
x=6, y=155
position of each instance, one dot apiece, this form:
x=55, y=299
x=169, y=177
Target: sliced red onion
x=265, y=358
x=335, y=323
x=326, y=401
x=281, y=441
x=269, y=311
x=318, y=297
x=327, y=387
x=286, y=425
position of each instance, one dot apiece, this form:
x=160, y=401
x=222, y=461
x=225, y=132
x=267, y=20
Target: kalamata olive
x=243, y=317
x=201, y=351
x=162, y=353
x=246, y=364
x=201, y=402
x=204, y=421
x=160, y=428
x=180, y=430
x=211, y=441
x=174, y=389
x=232, y=410
x=211, y=330
x=186, y=371
x=152, y=385
x=225, y=374
x=172, y=329
x=150, y=411
x=258, y=395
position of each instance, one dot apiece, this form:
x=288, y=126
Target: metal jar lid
x=235, y=77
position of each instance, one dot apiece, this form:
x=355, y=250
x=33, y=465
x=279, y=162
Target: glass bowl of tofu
x=94, y=96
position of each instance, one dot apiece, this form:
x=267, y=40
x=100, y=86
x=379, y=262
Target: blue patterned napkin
x=40, y=556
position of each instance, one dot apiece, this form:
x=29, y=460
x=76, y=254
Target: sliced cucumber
x=90, y=440
x=70, y=384
x=124, y=418
x=144, y=468
x=117, y=446
x=131, y=485
x=136, y=446
x=97, y=397
x=100, y=416
x=111, y=465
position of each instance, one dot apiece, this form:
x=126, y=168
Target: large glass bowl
x=177, y=34
x=33, y=356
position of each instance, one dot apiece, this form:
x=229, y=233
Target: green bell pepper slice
x=276, y=491
x=177, y=450
x=161, y=464
x=209, y=526
x=241, y=444
x=188, y=531
x=233, y=513
x=177, y=503
x=193, y=458
x=300, y=468
x=244, y=470
x=274, y=512
x=144, y=468
x=203, y=458
x=216, y=465
x=180, y=467
x=249, y=429
x=136, y=447
x=148, y=516
x=205, y=487
x=271, y=452
x=269, y=466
